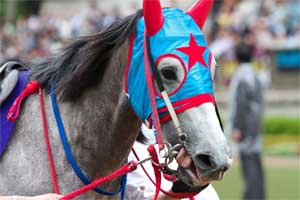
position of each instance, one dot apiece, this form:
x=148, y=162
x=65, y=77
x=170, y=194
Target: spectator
x=246, y=107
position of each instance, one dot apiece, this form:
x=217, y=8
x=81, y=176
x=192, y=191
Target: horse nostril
x=204, y=161
x=225, y=168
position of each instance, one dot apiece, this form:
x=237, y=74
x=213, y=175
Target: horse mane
x=82, y=63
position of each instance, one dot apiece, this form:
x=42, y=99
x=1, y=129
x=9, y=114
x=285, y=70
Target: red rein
x=49, y=151
x=127, y=168
x=150, y=86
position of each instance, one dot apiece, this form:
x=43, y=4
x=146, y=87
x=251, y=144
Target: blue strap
x=69, y=155
x=123, y=183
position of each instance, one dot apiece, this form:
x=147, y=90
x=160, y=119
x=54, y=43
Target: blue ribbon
x=69, y=155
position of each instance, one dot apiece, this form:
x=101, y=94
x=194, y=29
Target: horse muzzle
x=201, y=169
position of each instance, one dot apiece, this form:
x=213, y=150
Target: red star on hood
x=194, y=51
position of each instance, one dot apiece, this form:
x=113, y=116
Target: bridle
x=167, y=151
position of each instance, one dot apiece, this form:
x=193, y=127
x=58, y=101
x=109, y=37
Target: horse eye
x=169, y=74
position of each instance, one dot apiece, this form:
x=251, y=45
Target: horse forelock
x=82, y=63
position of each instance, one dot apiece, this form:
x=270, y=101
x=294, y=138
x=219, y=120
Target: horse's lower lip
x=186, y=162
x=197, y=178
x=216, y=176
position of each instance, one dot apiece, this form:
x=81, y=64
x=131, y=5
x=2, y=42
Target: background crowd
x=267, y=24
x=40, y=35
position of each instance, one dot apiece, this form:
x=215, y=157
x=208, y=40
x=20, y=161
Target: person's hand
x=236, y=135
x=50, y=196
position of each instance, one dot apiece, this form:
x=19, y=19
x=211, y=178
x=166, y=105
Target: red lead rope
x=129, y=167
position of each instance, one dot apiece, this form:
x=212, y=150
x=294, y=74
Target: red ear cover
x=153, y=16
x=200, y=11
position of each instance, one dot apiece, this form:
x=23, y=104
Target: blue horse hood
x=181, y=37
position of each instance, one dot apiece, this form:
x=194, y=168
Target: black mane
x=82, y=63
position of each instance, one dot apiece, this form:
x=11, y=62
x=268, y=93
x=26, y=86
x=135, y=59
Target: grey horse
x=100, y=123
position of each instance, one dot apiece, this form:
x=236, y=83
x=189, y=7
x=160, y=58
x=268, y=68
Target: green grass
x=282, y=183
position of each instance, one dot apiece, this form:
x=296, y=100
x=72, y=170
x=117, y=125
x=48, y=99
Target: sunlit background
x=33, y=28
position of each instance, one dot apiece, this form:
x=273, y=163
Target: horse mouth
x=192, y=175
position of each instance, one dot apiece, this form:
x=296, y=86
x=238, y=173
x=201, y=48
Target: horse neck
x=98, y=130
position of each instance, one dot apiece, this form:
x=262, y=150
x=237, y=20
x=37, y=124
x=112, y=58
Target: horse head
x=186, y=67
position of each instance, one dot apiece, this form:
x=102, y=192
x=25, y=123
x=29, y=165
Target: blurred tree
x=28, y=7
x=1, y=11
x=12, y=9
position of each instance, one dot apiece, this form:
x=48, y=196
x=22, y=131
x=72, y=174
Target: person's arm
x=241, y=101
x=40, y=197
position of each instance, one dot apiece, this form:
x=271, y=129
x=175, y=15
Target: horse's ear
x=200, y=10
x=213, y=66
x=153, y=16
